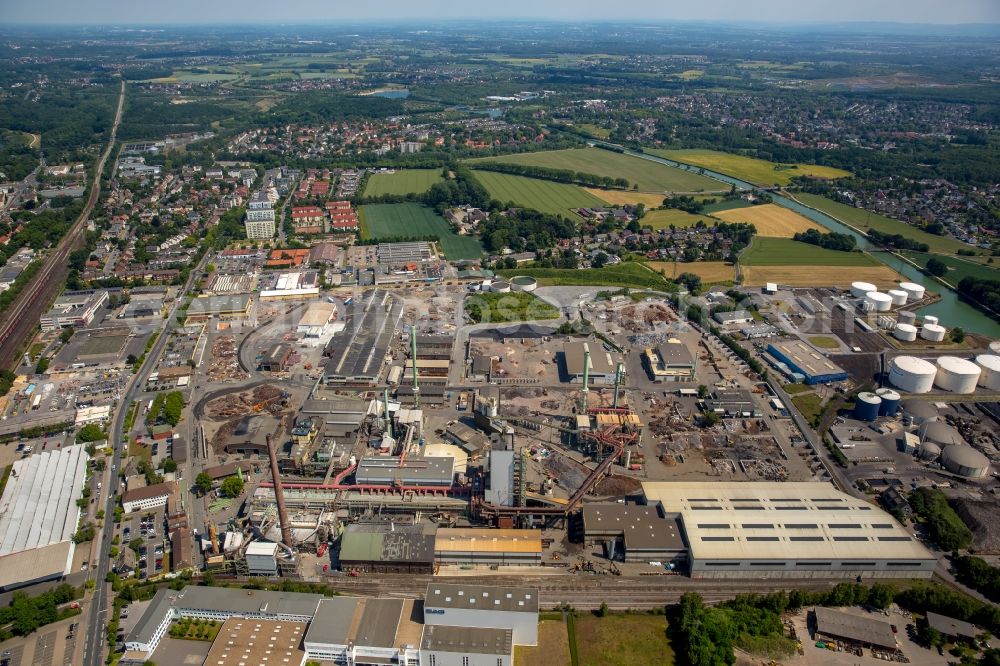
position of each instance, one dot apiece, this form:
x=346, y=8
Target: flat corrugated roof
x=865, y=630
x=219, y=304
x=486, y=540
x=333, y=620
x=38, y=507
x=807, y=358
x=642, y=527
x=482, y=597
x=601, y=361
x=36, y=564
x=467, y=640
x=782, y=521
x=241, y=641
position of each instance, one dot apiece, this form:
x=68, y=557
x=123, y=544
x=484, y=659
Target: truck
x=36, y=401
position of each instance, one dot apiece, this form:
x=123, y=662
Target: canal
x=951, y=310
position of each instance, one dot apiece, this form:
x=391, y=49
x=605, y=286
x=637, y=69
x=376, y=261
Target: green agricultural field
x=541, y=195
x=662, y=219
x=401, y=183
x=765, y=251
x=622, y=640
x=863, y=220
x=595, y=130
x=413, y=220
x=649, y=176
x=490, y=308
x=627, y=274
x=958, y=267
x=759, y=172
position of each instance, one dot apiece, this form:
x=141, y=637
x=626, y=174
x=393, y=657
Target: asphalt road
x=99, y=610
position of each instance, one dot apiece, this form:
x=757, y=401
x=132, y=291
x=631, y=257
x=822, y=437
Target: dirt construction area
x=770, y=220
x=533, y=360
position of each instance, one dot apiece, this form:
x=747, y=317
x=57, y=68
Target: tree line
x=831, y=241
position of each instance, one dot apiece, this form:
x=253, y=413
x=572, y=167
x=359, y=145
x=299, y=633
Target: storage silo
x=898, y=296
x=907, y=317
x=918, y=412
x=932, y=332
x=940, y=433
x=867, y=406
x=905, y=332
x=965, y=461
x=859, y=289
x=500, y=287
x=989, y=364
x=995, y=346
x=878, y=302
x=930, y=319
x=957, y=374
x=913, y=290
x=890, y=402
x=912, y=374
x=929, y=452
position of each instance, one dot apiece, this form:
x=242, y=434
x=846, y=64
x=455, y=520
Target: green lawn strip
x=626, y=274
x=401, y=183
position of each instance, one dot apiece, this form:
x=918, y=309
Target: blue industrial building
x=807, y=361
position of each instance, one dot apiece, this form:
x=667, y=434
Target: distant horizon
x=103, y=13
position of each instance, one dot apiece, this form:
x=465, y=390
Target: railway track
x=22, y=316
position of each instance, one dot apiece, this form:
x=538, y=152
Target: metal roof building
x=602, y=364
x=358, y=353
x=388, y=548
x=804, y=359
x=484, y=607
x=474, y=545
x=644, y=533
x=413, y=471
x=364, y=631
x=38, y=516
x=865, y=631
x=788, y=530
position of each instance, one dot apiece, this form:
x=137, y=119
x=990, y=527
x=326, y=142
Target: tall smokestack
x=413, y=361
x=279, y=495
x=385, y=408
x=619, y=374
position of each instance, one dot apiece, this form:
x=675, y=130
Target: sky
x=313, y=11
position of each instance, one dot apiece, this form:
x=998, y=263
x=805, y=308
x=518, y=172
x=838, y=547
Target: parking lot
x=52, y=645
x=147, y=527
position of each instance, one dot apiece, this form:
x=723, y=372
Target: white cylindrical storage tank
x=878, y=301
x=989, y=364
x=907, y=317
x=500, y=287
x=898, y=296
x=957, y=375
x=859, y=289
x=523, y=283
x=931, y=319
x=995, y=347
x=905, y=332
x=932, y=332
x=913, y=290
x=912, y=374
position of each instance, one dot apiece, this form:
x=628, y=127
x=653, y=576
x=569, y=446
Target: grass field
x=623, y=640
x=770, y=220
x=404, y=220
x=627, y=274
x=541, y=195
x=595, y=130
x=786, y=252
x=552, y=648
x=863, y=220
x=958, y=267
x=759, y=172
x=627, y=197
x=407, y=181
x=710, y=272
x=485, y=308
x=824, y=342
x=664, y=217
x=649, y=176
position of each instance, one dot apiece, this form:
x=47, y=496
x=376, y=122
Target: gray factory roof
x=241, y=602
x=481, y=597
x=379, y=621
x=642, y=527
x=467, y=640
x=145, y=629
x=385, y=470
x=601, y=361
x=387, y=543
x=38, y=507
x=525, y=331
x=952, y=627
x=868, y=631
x=675, y=353
x=358, y=352
x=209, y=305
x=333, y=620
x=782, y=521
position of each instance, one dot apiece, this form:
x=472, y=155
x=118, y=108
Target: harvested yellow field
x=770, y=219
x=708, y=271
x=819, y=276
x=626, y=197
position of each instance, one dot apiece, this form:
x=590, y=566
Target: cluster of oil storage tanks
x=875, y=301
x=870, y=406
x=948, y=373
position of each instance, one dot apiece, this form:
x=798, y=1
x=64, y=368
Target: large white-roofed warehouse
x=38, y=516
x=788, y=530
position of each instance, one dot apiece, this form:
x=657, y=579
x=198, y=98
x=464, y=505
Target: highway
x=21, y=318
x=99, y=608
